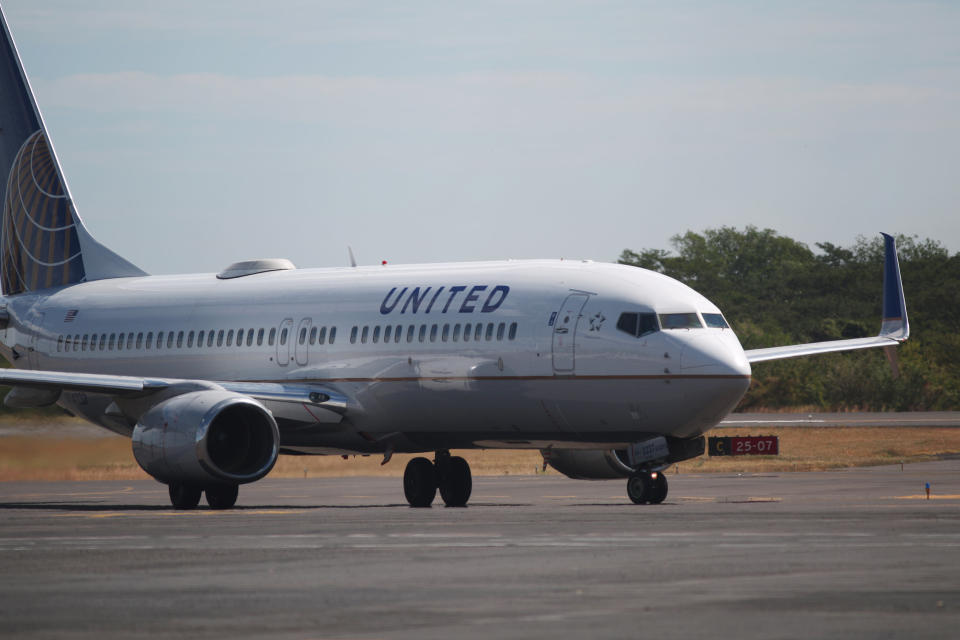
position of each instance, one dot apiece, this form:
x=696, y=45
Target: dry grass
x=47, y=457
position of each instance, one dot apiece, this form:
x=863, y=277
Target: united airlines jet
x=611, y=371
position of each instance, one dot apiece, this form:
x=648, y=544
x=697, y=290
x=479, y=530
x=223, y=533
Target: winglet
x=895, y=324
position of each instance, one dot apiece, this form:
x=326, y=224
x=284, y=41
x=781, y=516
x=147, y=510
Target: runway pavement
x=850, y=554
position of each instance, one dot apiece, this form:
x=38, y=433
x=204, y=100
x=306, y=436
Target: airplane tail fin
x=43, y=242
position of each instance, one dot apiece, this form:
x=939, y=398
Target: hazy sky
x=194, y=134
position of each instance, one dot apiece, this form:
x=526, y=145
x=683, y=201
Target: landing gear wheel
x=647, y=487
x=455, y=481
x=184, y=496
x=222, y=496
x=420, y=482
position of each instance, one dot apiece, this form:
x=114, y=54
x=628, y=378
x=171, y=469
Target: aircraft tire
x=645, y=487
x=659, y=489
x=222, y=496
x=184, y=496
x=420, y=482
x=455, y=480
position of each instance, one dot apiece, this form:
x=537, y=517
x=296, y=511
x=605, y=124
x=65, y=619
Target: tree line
x=774, y=290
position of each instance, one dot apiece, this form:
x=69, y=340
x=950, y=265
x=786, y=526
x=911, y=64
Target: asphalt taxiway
x=847, y=554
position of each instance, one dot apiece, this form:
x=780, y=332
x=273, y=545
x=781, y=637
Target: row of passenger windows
x=641, y=324
x=189, y=339
x=446, y=333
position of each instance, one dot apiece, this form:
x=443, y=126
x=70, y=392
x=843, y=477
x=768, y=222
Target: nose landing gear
x=451, y=474
x=647, y=487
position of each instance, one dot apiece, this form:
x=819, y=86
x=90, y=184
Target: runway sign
x=743, y=446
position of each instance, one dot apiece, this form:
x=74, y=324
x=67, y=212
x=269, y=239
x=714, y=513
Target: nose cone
x=715, y=353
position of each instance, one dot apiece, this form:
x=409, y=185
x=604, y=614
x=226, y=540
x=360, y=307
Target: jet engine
x=207, y=437
x=610, y=464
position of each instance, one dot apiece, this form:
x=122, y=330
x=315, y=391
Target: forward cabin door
x=565, y=333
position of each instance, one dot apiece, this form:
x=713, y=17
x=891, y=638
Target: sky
x=195, y=134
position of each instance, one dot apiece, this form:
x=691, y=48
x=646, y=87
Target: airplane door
x=283, y=342
x=33, y=351
x=565, y=332
x=302, y=345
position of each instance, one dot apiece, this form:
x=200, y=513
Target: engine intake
x=207, y=437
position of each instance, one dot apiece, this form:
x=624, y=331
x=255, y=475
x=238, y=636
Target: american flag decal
x=71, y=315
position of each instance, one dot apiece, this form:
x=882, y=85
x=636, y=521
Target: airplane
x=611, y=371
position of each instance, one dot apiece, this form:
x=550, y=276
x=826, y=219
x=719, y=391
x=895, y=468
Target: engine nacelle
x=207, y=437
x=610, y=464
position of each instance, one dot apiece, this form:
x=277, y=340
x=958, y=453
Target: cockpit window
x=715, y=321
x=680, y=321
x=638, y=324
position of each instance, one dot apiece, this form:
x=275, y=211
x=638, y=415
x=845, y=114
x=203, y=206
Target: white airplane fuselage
x=547, y=366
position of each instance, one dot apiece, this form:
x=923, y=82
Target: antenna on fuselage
x=353, y=261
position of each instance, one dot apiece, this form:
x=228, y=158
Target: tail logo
x=39, y=243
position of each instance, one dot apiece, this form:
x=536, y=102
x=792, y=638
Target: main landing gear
x=450, y=474
x=647, y=487
x=187, y=496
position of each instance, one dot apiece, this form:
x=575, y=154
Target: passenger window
x=467, y=330
x=410, y=329
x=230, y=338
x=456, y=332
x=501, y=328
x=303, y=335
x=239, y=337
x=376, y=334
x=130, y=338
x=397, y=333
x=364, y=334
x=220, y=338
x=715, y=321
x=113, y=342
x=93, y=342
x=60, y=343
x=103, y=341
x=190, y=340
x=180, y=339
x=272, y=337
x=159, y=339
x=433, y=333
x=67, y=344
x=313, y=335
x=489, y=331
x=210, y=336
x=250, y=338
x=260, y=337
x=169, y=339
x=85, y=339
x=76, y=342
x=333, y=334
x=283, y=336
x=149, y=342
x=423, y=333
x=120, y=340
x=140, y=340
x=322, y=336
x=478, y=332
x=445, y=336
x=387, y=332
x=513, y=331
x=680, y=321
x=353, y=335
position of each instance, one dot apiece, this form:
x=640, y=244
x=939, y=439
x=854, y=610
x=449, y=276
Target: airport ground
x=857, y=553
x=849, y=553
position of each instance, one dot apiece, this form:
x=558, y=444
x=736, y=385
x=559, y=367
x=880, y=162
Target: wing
x=302, y=402
x=894, y=329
